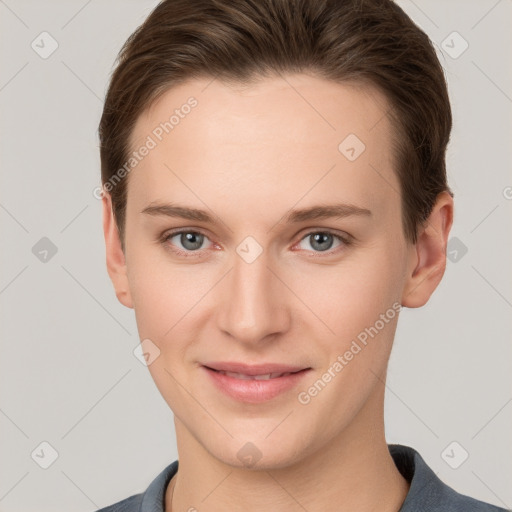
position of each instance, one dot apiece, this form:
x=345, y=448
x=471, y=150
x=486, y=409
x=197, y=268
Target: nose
x=253, y=304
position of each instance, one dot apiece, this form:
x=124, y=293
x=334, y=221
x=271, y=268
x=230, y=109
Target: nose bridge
x=253, y=305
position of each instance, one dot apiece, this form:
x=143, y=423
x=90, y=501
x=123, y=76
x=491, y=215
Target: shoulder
x=131, y=504
x=428, y=493
x=151, y=499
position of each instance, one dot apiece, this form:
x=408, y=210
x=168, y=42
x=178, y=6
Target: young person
x=274, y=192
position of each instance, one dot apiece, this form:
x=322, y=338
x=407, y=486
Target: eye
x=322, y=241
x=186, y=241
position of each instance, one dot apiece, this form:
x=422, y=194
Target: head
x=274, y=190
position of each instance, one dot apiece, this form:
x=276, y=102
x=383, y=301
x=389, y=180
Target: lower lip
x=255, y=391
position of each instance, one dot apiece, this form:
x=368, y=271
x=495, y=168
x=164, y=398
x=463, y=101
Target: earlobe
x=115, y=258
x=428, y=255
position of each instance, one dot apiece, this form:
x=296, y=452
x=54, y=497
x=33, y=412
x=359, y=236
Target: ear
x=116, y=263
x=427, y=260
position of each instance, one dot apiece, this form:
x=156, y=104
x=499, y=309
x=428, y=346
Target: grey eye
x=320, y=241
x=190, y=240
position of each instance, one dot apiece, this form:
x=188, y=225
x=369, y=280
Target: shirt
x=427, y=492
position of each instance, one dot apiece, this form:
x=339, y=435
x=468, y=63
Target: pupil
x=319, y=240
x=191, y=241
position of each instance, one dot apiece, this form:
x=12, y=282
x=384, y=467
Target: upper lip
x=253, y=369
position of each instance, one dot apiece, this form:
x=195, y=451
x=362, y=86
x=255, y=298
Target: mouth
x=254, y=383
x=264, y=376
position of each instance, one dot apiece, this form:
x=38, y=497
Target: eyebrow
x=331, y=211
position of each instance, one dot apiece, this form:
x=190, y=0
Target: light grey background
x=68, y=375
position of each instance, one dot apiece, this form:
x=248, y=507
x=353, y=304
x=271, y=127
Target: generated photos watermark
x=157, y=135
x=356, y=346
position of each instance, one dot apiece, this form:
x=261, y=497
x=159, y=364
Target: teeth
x=267, y=376
x=242, y=376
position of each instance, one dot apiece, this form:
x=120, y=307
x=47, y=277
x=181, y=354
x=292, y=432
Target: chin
x=257, y=453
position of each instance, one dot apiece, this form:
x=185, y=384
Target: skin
x=248, y=156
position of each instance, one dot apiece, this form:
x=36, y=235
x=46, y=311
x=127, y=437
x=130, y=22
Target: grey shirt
x=427, y=492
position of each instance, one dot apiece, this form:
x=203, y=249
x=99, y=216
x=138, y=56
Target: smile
x=265, y=376
x=254, y=384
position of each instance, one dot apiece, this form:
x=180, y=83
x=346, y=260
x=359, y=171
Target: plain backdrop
x=68, y=375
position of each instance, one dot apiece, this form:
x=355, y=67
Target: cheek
x=171, y=301
x=166, y=300
x=161, y=297
x=345, y=298
x=358, y=300
x=338, y=299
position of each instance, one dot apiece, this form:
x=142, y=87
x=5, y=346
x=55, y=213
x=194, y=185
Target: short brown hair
x=364, y=41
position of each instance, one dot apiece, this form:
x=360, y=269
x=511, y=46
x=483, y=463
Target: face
x=264, y=235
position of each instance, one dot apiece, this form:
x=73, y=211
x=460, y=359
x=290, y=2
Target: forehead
x=282, y=136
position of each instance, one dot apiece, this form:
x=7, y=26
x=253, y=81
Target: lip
x=254, y=391
x=253, y=369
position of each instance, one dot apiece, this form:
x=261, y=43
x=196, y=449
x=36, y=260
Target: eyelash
x=345, y=241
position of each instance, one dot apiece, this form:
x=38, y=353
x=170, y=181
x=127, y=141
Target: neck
x=354, y=471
